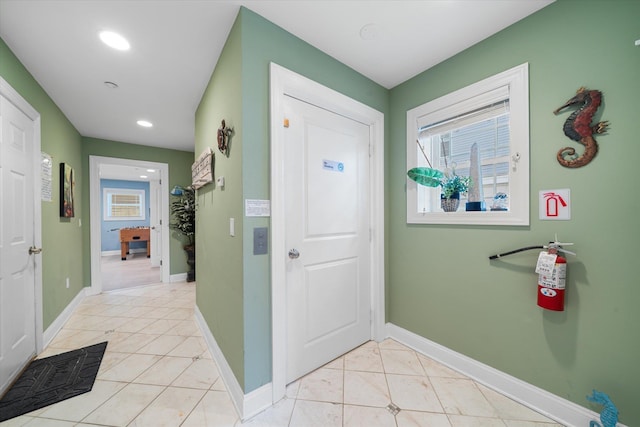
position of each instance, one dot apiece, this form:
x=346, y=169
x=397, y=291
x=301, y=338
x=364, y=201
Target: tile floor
x=135, y=271
x=157, y=372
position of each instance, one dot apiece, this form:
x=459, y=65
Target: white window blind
x=124, y=204
x=450, y=143
x=465, y=109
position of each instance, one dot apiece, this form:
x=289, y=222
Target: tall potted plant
x=183, y=212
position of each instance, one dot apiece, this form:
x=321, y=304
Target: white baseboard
x=257, y=401
x=548, y=404
x=118, y=252
x=247, y=405
x=180, y=277
x=62, y=318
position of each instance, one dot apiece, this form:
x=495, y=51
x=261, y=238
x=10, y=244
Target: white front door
x=155, y=200
x=326, y=164
x=17, y=266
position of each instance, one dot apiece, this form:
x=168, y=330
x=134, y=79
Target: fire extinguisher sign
x=555, y=204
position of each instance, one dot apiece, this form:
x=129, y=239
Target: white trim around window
x=513, y=82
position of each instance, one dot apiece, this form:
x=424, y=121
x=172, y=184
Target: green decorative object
x=428, y=177
x=454, y=184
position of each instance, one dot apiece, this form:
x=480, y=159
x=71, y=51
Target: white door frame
x=94, y=208
x=16, y=99
x=288, y=83
x=155, y=202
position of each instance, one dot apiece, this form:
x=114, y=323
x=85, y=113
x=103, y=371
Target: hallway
x=157, y=371
x=135, y=271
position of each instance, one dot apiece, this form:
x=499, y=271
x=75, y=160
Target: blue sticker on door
x=332, y=165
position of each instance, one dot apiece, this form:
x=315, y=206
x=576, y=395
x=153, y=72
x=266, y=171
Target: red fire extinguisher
x=552, y=270
x=551, y=287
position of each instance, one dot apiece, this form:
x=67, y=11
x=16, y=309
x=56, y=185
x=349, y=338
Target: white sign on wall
x=46, y=187
x=555, y=204
x=253, y=207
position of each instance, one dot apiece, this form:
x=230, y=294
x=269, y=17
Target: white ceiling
x=176, y=44
x=128, y=173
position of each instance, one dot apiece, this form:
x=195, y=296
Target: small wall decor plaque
x=202, y=169
x=223, y=138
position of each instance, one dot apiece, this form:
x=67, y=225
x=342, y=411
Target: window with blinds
x=124, y=204
x=492, y=114
x=450, y=144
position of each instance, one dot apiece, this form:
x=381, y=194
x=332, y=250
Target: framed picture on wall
x=67, y=190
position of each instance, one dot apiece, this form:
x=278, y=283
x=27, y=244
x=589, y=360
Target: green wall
x=61, y=238
x=449, y=292
x=263, y=43
x=219, y=271
x=179, y=174
x=234, y=295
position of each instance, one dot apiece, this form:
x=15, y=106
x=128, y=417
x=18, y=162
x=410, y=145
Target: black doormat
x=52, y=379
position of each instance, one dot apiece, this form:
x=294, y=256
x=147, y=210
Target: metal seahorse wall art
x=609, y=414
x=578, y=127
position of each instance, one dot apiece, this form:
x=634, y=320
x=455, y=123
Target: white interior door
x=154, y=220
x=327, y=236
x=17, y=266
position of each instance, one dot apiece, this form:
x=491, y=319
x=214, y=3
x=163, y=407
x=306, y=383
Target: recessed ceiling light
x=151, y=170
x=144, y=123
x=144, y=176
x=114, y=40
x=370, y=32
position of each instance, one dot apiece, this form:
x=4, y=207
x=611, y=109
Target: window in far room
x=123, y=204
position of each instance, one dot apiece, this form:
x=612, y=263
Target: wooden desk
x=128, y=235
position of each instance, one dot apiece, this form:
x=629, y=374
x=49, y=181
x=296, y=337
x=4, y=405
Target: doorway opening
x=144, y=259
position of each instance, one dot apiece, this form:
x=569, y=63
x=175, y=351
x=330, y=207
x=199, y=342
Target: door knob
x=33, y=250
x=293, y=253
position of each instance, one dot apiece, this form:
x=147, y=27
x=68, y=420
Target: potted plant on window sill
x=183, y=212
x=452, y=186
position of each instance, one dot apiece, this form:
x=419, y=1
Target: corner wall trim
x=247, y=405
x=257, y=401
x=180, y=277
x=548, y=404
x=62, y=318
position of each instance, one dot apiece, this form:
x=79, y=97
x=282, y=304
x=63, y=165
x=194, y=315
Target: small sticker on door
x=332, y=165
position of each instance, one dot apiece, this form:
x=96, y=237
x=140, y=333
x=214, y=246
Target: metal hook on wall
x=515, y=159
